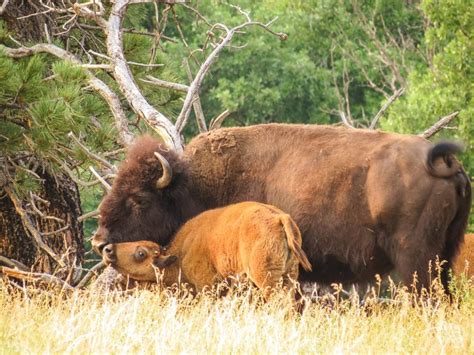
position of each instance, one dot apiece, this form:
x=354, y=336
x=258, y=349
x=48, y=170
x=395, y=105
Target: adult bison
x=366, y=201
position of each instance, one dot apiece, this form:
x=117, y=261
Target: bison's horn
x=165, y=179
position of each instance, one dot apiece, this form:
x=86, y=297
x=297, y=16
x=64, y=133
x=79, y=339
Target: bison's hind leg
x=419, y=255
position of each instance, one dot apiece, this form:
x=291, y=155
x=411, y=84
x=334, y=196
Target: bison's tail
x=457, y=228
x=445, y=150
x=293, y=237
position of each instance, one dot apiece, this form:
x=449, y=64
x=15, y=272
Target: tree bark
x=31, y=28
x=58, y=226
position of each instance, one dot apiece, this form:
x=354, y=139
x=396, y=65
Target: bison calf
x=248, y=238
x=466, y=253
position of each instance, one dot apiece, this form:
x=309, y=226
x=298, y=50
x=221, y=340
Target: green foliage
x=42, y=101
x=447, y=84
x=294, y=80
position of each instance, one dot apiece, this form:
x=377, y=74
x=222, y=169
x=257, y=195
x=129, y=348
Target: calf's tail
x=293, y=237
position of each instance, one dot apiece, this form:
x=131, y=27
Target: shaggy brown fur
x=135, y=209
x=464, y=261
x=247, y=238
x=365, y=201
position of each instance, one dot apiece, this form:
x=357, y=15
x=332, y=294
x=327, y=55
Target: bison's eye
x=140, y=254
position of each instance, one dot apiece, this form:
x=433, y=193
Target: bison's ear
x=165, y=261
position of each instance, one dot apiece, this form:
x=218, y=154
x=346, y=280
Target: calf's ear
x=164, y=261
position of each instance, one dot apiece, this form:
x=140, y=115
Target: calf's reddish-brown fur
x=366, y=201
x=466, y=254
x=248, y=238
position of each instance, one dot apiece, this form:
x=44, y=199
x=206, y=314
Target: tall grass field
x=162, y=321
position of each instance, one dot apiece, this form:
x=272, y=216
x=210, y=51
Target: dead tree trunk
x=49, y=216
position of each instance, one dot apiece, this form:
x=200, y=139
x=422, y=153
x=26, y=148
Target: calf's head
x=149, y=199
x=138, y=260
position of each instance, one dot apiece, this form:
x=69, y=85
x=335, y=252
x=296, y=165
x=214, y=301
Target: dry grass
x=160, y=321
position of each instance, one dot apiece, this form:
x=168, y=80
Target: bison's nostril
x=108, y=254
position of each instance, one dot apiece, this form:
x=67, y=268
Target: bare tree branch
x=92, y=272
x=84, y=11
x=346, y=85
x=56, y=231
x=113, y=152
x=121, y=123
x=181, y=35
x=443, y=121
x=342, y=101
x=73, y=176
x=21, y=167
x=165, y=84
x=13, y=263
x=4, y=5
x=88, y=215
x=344, y=119
x=131, y=30
x=94, y=156
x=127, y=84
x=35, y=234
x=35, y=276
x=148, y=65
x=385, y=106
x=41, y=214
x=200, y=16
x=184, y=88
x=96, y=66
x=217, y=121
x=196, y=84
x=108, y=67
x=201, y=121
x=100, y=178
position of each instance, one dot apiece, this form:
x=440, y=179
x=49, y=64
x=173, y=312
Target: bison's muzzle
x=108, y=254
